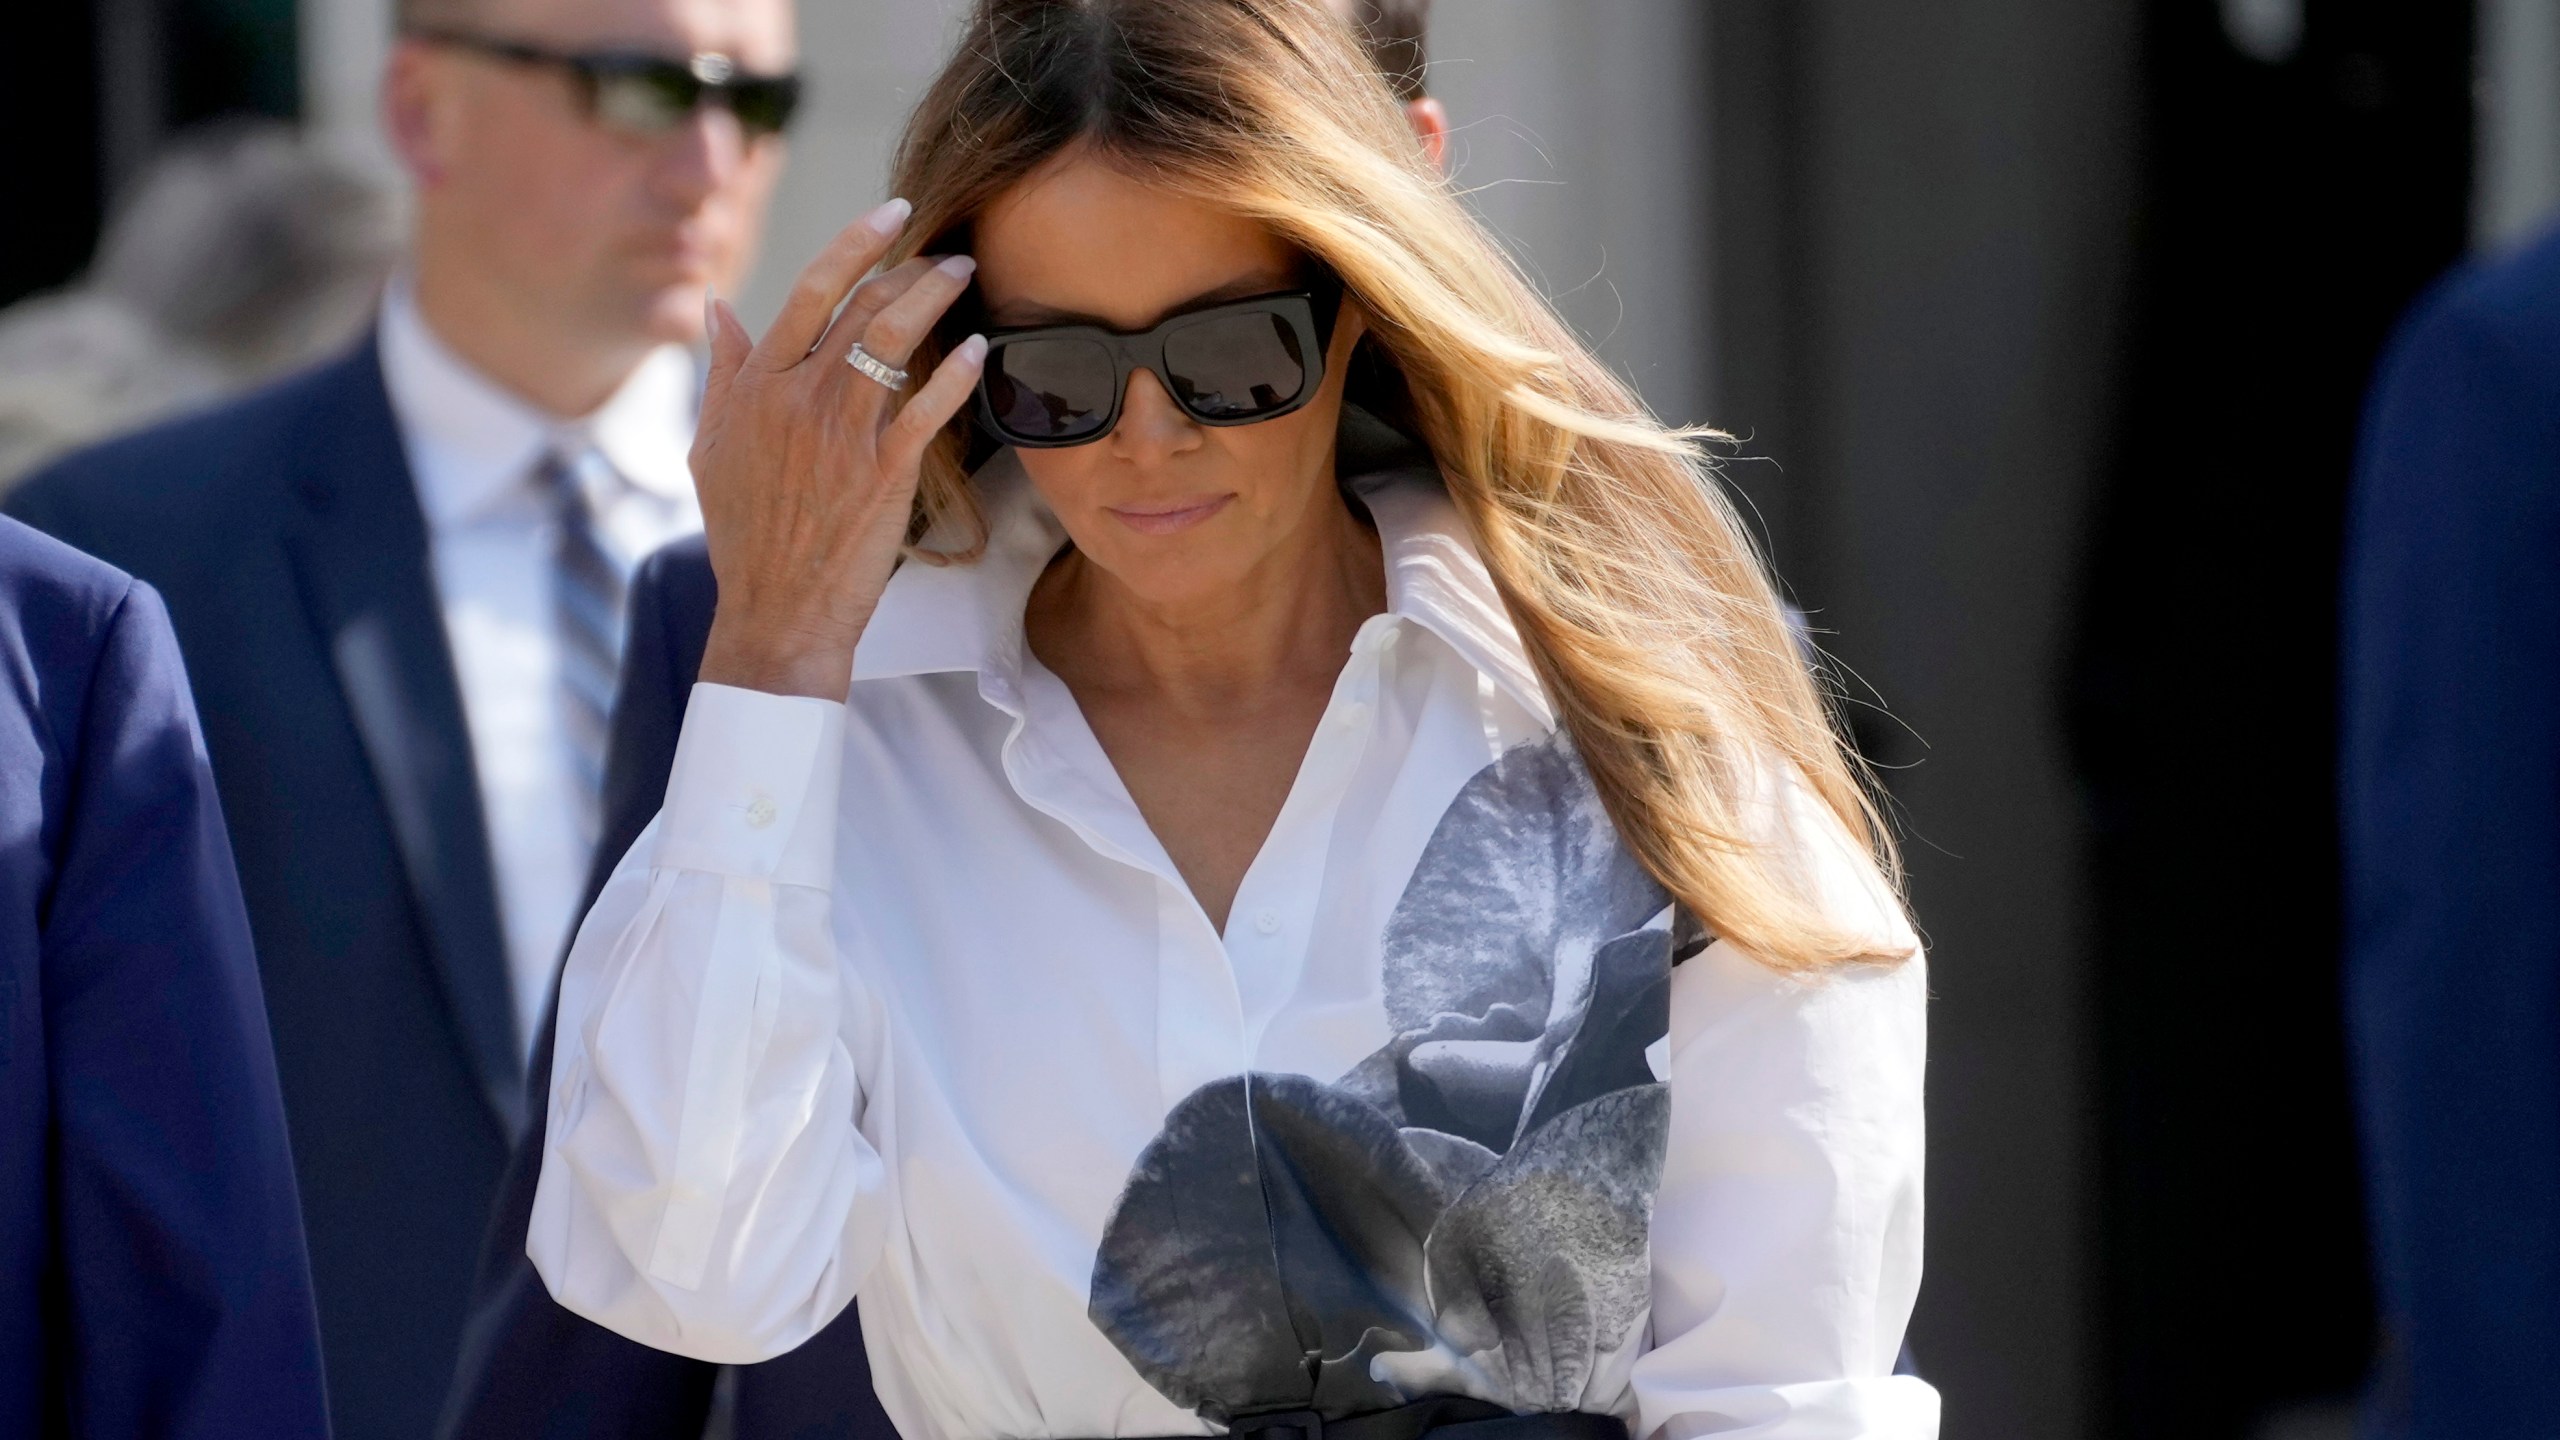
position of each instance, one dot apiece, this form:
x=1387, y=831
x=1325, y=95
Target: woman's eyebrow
x=1015, y=314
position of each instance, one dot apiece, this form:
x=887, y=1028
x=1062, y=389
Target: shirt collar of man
x=481, y=442
x=935, y=619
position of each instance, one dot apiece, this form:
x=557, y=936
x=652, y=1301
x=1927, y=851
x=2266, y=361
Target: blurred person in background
x=152, y=1279
x=246, y=251
x=529, y=1367
x=2451, y=818
x=1396, y=34
x=398, y=581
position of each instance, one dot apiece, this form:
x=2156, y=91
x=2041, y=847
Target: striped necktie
x=587, y=593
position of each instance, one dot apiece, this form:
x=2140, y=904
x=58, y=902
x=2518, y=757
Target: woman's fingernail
x=889, y=218
x=958, y=267
x=971, y=350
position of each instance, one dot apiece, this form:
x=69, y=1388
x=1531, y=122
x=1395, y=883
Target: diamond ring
x=875, y=367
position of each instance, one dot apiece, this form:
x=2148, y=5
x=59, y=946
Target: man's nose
x=701, y=155
x=1152, y=427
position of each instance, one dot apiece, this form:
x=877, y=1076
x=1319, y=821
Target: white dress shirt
x=472, y=448
x=900, y=997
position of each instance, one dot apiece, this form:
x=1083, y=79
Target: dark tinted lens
x=1235, y=367
x=1050, y=389
x=764, y=107
x=645, y=98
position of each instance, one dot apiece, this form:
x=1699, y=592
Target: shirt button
x=1267, y=923
x=760, y=810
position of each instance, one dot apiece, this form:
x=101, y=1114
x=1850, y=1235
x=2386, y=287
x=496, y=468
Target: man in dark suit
x=2451, y=791
x=397, y=580
x=152, y=1280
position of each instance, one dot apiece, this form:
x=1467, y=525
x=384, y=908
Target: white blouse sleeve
x=1786, y=1234
x=706, y=1185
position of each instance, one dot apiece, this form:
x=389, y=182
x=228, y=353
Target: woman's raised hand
x=807, y=467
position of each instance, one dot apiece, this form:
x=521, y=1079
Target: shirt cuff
x=753, y=790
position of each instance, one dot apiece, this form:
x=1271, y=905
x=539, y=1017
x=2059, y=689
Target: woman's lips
x=1170, y=519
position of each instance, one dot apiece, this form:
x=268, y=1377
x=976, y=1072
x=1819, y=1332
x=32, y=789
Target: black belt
x=1442, y=1417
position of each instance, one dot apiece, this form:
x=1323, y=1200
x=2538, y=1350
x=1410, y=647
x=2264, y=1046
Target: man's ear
x=1430, y=122
x=414, y=109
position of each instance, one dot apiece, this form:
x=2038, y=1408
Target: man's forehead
x=759, y=33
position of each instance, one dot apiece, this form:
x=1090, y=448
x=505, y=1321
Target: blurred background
x=2043, y=330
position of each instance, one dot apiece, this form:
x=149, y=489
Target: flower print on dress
x=1467, y=1210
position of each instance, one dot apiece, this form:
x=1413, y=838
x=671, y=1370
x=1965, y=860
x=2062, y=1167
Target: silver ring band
x=875, y=367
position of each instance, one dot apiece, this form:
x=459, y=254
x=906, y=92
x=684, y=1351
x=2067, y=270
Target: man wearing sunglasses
x=398, y=581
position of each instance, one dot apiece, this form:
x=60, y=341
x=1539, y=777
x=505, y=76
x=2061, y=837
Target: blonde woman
x=1317, y=899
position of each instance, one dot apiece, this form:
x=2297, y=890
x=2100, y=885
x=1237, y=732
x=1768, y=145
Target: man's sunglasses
x=642, y=93
x=1237, y=363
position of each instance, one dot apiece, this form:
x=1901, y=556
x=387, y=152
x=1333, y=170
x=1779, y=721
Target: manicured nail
x=710, y=316
x=971, y=350
x=890, y=218
x=958, y=267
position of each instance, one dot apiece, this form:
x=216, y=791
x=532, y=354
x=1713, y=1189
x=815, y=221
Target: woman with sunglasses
x=1253, y=851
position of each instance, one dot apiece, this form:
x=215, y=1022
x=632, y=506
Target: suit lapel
x=359, y=549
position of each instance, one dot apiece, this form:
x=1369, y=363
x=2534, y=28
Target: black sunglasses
x=642, y=93
x=1235, y=363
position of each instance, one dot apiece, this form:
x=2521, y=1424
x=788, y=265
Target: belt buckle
x=1277, y=1425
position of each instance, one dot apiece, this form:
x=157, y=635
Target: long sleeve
x=707, y=1188
x=184, y=1280
x=2451, y=823
x=1786, y=1233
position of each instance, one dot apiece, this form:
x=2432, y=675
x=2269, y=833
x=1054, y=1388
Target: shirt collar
x=472, y=442
x=1436, y=580
x=935, y=619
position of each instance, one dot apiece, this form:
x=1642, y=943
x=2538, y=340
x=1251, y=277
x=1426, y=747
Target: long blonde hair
x=1635, y=588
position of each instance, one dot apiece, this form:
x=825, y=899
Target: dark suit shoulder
x=2522, y=285
x=2509, y=304
x=57, y=609
x=203, y=472
x=38, y=570
x=59, y=613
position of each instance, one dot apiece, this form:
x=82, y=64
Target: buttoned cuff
x=753, y=790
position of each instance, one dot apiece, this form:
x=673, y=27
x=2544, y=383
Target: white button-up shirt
x=901, y=998
x=473, y=447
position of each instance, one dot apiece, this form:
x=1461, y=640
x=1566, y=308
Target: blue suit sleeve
x=2451, y=824
x=186, y=1288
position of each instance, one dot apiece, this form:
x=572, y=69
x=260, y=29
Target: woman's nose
x=1151, y=425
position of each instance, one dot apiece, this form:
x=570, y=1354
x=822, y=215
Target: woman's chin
x=1183, y=574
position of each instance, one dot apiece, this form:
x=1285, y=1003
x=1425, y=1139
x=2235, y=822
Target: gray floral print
x=1466, y=1211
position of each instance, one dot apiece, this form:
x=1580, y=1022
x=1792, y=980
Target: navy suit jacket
x=285, y=533
x=2451, y=791
x=529, y=1368
x=152, y=1280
